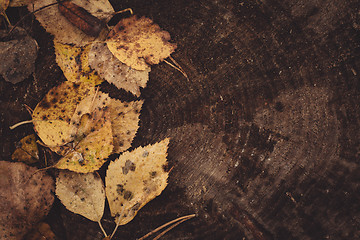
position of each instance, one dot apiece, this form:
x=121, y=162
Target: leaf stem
x=20, y=123
x=102, y=229
x=118, y=222
x=178, y=220
x=177, y=67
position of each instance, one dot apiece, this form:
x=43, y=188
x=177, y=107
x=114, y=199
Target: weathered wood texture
x=264, y=134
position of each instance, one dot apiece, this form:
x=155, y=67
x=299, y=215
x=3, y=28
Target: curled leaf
x=138, y=42
x=134, y=179
x=83, y=194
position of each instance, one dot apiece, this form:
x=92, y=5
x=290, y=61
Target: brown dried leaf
x=20, y=3
x=116, y=72
x=25, y=198
x=135, y=178
x=41, y=231
x=4, y=5
x=139, y=42
x=83, y=194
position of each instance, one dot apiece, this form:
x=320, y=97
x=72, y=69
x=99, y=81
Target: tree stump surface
x=264, y=134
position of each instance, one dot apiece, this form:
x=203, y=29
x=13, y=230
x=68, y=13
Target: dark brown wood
x=265, y=133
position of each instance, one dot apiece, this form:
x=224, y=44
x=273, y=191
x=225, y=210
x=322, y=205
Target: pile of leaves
x=84, y=125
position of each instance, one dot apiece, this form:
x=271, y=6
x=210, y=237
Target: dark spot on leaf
x=145, y=153
x=153, y=174
x=136, y=206
x=128, y=195
x=44, y=104
x=119, y=189
x=129, y=166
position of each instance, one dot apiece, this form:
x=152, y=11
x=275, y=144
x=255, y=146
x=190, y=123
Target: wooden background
x=264, y=134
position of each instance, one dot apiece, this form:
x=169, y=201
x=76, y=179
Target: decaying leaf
x=4, y=4
x=124, y=118
x=41, y=231
x=139, y=42
x=52, y=117
x=92, y=145
x=74, y=62
x=62, y=29
x=27, y=150
x=135, y=178
x=116, y=72
x=83, y=194
x=20, y=3
x=18, y=53
x=25, y=198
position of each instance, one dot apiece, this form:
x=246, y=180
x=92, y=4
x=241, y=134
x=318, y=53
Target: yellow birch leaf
x=92, y=145
x=139, y=42
x=62, y=29
x=124, y=118
x=82, y=194
x=116, y=72
x=52, y=116
x=134, y=179
x=74, y=62
x=27, y=151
